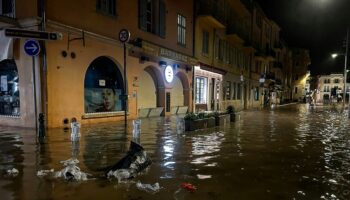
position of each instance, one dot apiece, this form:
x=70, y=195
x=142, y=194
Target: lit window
x=201, y=91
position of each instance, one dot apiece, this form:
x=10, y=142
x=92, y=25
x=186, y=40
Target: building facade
x=182, y=56
x=331, y=88
x=82, y=74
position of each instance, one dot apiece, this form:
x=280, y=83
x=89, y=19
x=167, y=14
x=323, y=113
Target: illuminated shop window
x=9, y=88
x=201, y=90
x=103, y=87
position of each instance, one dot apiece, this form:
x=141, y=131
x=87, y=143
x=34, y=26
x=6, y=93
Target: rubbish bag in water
x=71, y=172
x=130, y=165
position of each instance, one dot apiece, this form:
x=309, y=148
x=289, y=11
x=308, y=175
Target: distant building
x=301, y=62
x=330, y=87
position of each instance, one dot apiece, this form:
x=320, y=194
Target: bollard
x=75, y=126
x=136, y=129
x=41, y=125
x=180, y=125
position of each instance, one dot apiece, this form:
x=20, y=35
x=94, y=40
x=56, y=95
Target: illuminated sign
x=169, y=73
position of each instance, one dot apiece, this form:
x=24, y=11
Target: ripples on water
x=290, y=152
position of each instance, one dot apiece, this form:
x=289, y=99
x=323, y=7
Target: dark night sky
x=318, y=25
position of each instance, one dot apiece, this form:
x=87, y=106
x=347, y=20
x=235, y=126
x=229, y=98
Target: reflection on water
x=290, y=152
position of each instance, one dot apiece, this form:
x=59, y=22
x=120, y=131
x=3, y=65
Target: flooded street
x=291, y=152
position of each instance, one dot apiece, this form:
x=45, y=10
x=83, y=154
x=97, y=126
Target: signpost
x=40, y=35
x=124, y=36
x=32, y=48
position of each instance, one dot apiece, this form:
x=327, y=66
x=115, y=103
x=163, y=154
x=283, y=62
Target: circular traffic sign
x=124, y=35
x=32, y=47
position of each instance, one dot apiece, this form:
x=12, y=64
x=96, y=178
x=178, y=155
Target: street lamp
x=345, y=70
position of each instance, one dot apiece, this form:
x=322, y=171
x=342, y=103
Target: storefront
x=207, y=88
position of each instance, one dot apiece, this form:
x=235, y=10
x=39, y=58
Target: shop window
x=228, y=90
x=106, y=7
x=9, y=90
x=239, y=90
x=103, y=87
x=256, y=94
x=201, y=90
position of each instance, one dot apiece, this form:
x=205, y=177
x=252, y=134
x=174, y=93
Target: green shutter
x=162, y=19
x=143, y=15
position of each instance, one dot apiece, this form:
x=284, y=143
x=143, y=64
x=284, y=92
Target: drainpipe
x=43, y=69
x=193, y=54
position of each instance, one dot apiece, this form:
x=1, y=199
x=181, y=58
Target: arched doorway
x=151, y=92
x=103, y=86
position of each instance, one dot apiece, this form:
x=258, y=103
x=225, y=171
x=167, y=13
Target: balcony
x=211, y=13
x=235, y=34
x=267, y=53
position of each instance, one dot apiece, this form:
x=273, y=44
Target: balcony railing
x=212, y=8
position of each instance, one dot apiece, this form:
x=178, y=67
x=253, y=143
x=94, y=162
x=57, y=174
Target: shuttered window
x=181, y=30
x=106, y=7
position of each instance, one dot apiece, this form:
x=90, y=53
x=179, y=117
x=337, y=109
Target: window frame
x=181, y=30
x=109, y=9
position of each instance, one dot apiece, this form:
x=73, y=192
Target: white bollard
x=180, y=125
x=136, y=128
x=75, y=133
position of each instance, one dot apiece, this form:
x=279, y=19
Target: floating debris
x=130, y=165
x=41, y=173
x=12, y=172
x=189, y=187
x=148, y=187
x=71, y=172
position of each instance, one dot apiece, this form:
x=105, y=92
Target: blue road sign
x=32, y=47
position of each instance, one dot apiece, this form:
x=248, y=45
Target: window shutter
x=143, y=15
x=162, y=19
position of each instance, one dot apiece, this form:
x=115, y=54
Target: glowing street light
x=345, y=68
x=334, y=55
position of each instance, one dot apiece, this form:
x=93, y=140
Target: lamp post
x=345, y=66
x=345, y=69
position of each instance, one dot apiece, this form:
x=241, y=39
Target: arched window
x=9, y=90
x=103, y=86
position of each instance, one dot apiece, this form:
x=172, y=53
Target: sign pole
x=34, y=91
x=124, y=36
x=125, y=94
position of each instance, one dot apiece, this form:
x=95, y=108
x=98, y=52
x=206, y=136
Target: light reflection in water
x=204, y=146
x=292, y=152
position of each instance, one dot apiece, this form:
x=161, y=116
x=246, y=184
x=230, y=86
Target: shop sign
x=169, y=73
x=173, y=55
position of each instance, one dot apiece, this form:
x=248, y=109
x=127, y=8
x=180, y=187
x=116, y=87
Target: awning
x=212, y=68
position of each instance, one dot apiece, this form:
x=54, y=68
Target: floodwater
x=291, y=152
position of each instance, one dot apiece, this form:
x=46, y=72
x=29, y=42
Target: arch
x=103, y=86
x=186, y=87
x=158, y=83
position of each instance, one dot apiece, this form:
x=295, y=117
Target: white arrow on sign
x=33, y=48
